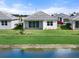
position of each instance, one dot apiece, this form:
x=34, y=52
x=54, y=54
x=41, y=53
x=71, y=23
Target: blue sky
x=31, y=6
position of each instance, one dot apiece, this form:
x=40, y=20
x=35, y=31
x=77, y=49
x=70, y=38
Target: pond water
x=39, y=53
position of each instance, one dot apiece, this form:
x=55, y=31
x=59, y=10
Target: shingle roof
x=74, y=15
x=75, y=18
x=40, y=16
x=6, y=16
x=62, y=15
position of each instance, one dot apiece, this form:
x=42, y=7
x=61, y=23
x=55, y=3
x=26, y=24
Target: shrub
x=18, y=26
x=66, y=26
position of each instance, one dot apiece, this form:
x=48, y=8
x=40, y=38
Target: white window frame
x=4, y=23
x=49, y=23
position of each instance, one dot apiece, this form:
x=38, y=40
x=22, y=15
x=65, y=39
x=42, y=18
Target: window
x=60, y=19
x=50, y=23
x=4, y=23
x=77, y=24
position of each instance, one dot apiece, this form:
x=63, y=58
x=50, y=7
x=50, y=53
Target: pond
x=39, y=53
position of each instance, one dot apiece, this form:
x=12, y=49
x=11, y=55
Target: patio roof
x=40, y=16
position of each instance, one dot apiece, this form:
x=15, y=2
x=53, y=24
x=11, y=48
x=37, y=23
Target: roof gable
x=6, y=16
x=40, y=16
x=62, y=15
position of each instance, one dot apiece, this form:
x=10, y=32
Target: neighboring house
x=40, y=20
x=74, y=22
x=20, y=18
x=62, y=18
x=7, y=21
x=74, y=14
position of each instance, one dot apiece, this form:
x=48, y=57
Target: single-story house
x=7, y=21
x=40, y=20
x=74, y=22
x=62, y=18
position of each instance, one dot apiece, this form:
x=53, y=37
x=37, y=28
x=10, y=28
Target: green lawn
x=39, y=37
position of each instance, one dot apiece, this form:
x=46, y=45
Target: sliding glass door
x=77, y=24
x=33, y=24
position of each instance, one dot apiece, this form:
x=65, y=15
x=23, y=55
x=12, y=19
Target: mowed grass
x=39, y=37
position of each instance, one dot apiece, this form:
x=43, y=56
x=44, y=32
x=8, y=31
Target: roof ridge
x=40, y=16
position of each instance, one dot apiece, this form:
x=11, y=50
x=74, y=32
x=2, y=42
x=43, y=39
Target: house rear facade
x=40, y=20
x=7, y=21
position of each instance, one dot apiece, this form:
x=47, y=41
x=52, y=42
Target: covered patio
x=75, y=23
x=33, y=25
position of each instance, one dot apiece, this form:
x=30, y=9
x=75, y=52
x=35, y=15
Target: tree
x=73, y=14
x=21, y=24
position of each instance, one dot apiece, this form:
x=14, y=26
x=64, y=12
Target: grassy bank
x=39, y=37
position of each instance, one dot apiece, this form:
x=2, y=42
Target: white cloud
x=23, y=9
x=61, y=10
x=16, y=8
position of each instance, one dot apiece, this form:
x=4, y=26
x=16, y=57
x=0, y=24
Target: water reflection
x=39, y=53
x=63, y=52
